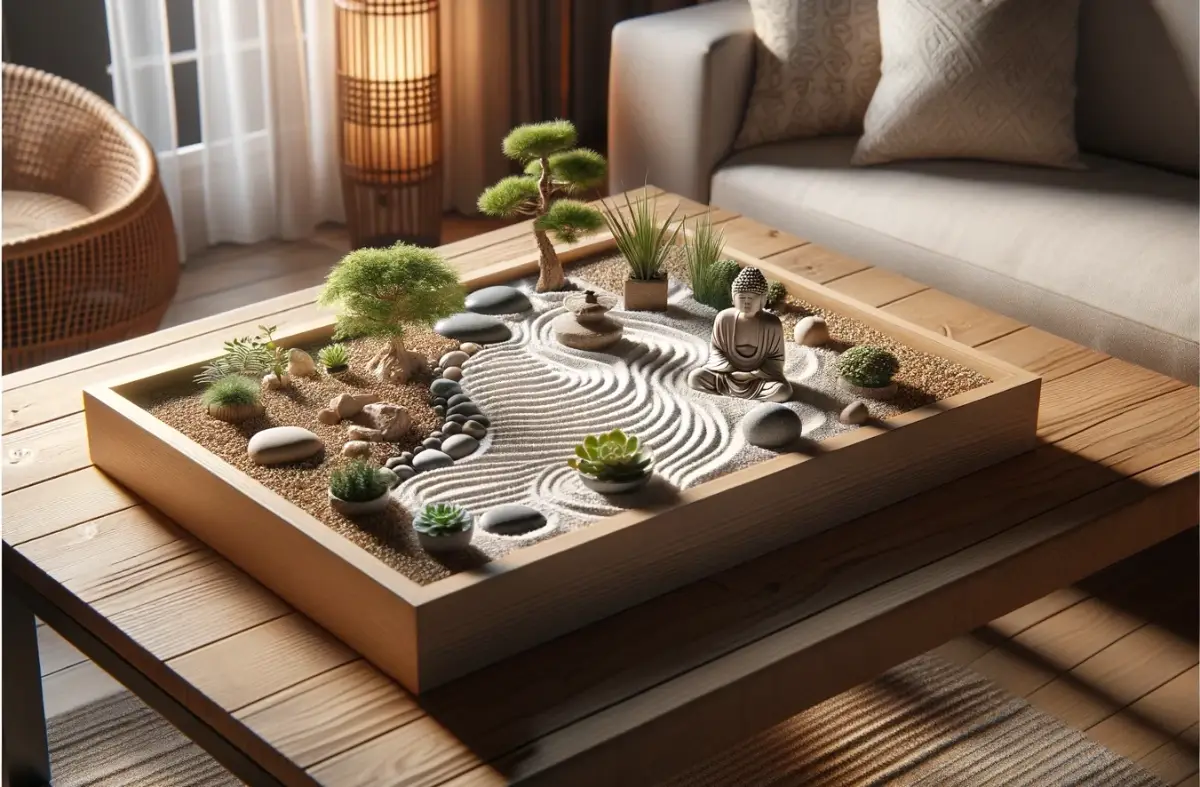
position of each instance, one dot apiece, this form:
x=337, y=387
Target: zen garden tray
x=715, y=500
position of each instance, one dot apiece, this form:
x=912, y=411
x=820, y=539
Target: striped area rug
x=925, y=723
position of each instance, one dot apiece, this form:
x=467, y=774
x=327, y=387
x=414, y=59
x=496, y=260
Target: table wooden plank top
x=640, y=695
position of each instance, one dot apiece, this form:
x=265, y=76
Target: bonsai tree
x=554, y=168
x=382, y=291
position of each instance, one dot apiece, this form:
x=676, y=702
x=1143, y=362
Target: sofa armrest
x=677, y=92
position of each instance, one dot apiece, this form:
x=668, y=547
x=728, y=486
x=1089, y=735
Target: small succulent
x=231, y=390
x=335, y=358
x=723, y=272
x=776, y=295
x=441, y=519
x=356, y=482
x=610, y=457
x=868, y=367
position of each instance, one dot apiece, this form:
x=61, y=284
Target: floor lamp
x=390, y=136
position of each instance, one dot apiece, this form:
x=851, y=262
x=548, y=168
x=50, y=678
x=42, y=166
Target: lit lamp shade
x=390, y=123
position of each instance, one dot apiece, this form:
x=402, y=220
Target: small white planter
x=455, y=542
x=354, y=508
x=615, y=487
x=879, y=394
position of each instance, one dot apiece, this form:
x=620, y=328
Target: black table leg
x=26, y=755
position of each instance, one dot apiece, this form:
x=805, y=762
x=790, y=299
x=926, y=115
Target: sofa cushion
x=1106, y=257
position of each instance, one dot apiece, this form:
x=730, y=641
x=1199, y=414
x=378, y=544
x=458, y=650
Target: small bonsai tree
x=868, y=367
x=382, y=291
x=610, y=457
x=356, y=482
x=554, y=168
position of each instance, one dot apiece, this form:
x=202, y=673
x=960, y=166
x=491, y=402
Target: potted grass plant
x=868, y=371
x=612, y=463
x=443, y=527
x=233, y=398
x=335, y=359
x=644, y=242
x=357, y=489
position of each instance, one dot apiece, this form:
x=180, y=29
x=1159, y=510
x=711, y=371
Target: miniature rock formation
x=586, y=325
x=854, y=414
x=391, y=420
x=364, y=433
x=746, y=356
x=348, y=405
x=281, y=444
x=498, y=300
x=512, y=520
x=811, y=332
x=771, y=425
x=300, y=363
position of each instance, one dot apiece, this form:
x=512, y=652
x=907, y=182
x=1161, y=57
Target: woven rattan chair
x=90, y=253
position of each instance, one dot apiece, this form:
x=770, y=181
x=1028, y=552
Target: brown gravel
x=387, y=535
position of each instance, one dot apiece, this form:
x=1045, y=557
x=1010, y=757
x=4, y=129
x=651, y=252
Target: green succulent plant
x=703, y=251
x=249, y=356
x=333, y=356
x=868, y=367
x=610, y=457
x=776, y=295
x=643, y=240
x=441, y=519
x=720, y=295
x=230, y=391
x=356, y=482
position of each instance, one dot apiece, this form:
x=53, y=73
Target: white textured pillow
x=817, y=65
x=983, y=79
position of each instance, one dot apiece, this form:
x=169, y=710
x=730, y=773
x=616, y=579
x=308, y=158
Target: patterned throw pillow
x=974, y=79
x=817, y=66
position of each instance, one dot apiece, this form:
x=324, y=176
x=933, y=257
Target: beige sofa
x=1108, y=257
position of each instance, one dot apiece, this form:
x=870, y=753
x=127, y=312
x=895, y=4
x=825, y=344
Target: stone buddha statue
x=746, y=356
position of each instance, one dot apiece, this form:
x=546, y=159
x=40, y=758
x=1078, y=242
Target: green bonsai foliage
x=231, y=391
x=610, y=457
x=356, y=482
x=441, y=519
x=334, y=357
x=776, y=295
x=249, y=356
x=554, y=169
x=382, y=291
x=644, y=241
x=703, y=251
x=868, y=367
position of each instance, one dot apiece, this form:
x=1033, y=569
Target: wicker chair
x=90, y=254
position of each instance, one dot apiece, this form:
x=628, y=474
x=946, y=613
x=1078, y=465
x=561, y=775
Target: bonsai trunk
x=550, y=274
x=395, y=364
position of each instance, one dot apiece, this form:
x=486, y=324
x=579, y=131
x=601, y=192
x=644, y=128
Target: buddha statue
x=746, y=356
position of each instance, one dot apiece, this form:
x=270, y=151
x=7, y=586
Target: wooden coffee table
x=625, y=701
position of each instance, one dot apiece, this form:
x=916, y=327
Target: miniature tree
x=554, y=168
x=382, y=291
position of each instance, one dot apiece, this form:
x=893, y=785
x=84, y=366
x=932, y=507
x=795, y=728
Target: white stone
x=300, y=363
x=855, y=413
x=357, y=449
x=348, y=405
x=391, y=420
x=453, y=373
x=811, y=332
x=453, y=358
x=470, y=348
x=273, y=382
x=281, y=444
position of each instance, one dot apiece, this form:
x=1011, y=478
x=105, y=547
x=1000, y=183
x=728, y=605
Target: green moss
x=231, y=390
x=868, y=367
x=776, y=294
x=356, y=482
x=534, y=140
x=441, y=519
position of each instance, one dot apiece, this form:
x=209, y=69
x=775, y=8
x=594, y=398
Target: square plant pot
x=646, y=295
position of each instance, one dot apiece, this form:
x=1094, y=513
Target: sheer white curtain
x=266, y=165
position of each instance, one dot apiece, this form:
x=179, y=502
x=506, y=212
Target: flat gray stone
x=456, y=419
x=498, y=300
x=430, y=459
x=404, y=472
x=459, y=445
x=457, y=399
x=480, y=419
x=464, y=408
x=771, y=425
x=474, y=429
x=512, y=520
x=451, y=427
x=472, y=327
x=442, y=387
x=281, y=444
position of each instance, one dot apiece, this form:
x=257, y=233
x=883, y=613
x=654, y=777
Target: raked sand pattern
x=543, y=398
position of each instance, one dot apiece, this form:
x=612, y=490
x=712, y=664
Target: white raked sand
x=543, y=398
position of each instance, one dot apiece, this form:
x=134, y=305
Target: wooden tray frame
x=426, y=635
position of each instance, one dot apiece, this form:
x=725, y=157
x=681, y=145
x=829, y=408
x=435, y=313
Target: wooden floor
x=1114, y=656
